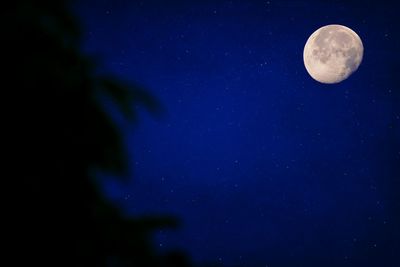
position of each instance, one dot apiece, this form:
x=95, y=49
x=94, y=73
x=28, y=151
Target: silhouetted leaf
x=62, y=130
x=128, y=96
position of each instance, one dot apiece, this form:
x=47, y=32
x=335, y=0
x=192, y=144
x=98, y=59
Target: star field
x=263, y=165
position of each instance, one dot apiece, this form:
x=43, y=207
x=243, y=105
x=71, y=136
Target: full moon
x=332, y=53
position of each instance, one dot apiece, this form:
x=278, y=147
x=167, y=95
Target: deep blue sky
x=263, y=165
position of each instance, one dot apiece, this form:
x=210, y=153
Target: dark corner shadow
x=59, y=217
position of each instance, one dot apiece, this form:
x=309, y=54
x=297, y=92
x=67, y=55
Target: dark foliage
x=59, y=131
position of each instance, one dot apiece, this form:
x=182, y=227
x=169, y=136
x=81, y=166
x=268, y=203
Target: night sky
x=263, y=165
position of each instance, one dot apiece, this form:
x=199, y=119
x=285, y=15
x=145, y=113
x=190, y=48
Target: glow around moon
x=332, y=53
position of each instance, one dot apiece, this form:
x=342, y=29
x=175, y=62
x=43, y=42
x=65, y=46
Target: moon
x=332, y=53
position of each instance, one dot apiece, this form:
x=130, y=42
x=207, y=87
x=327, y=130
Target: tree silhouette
x=60, y=132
